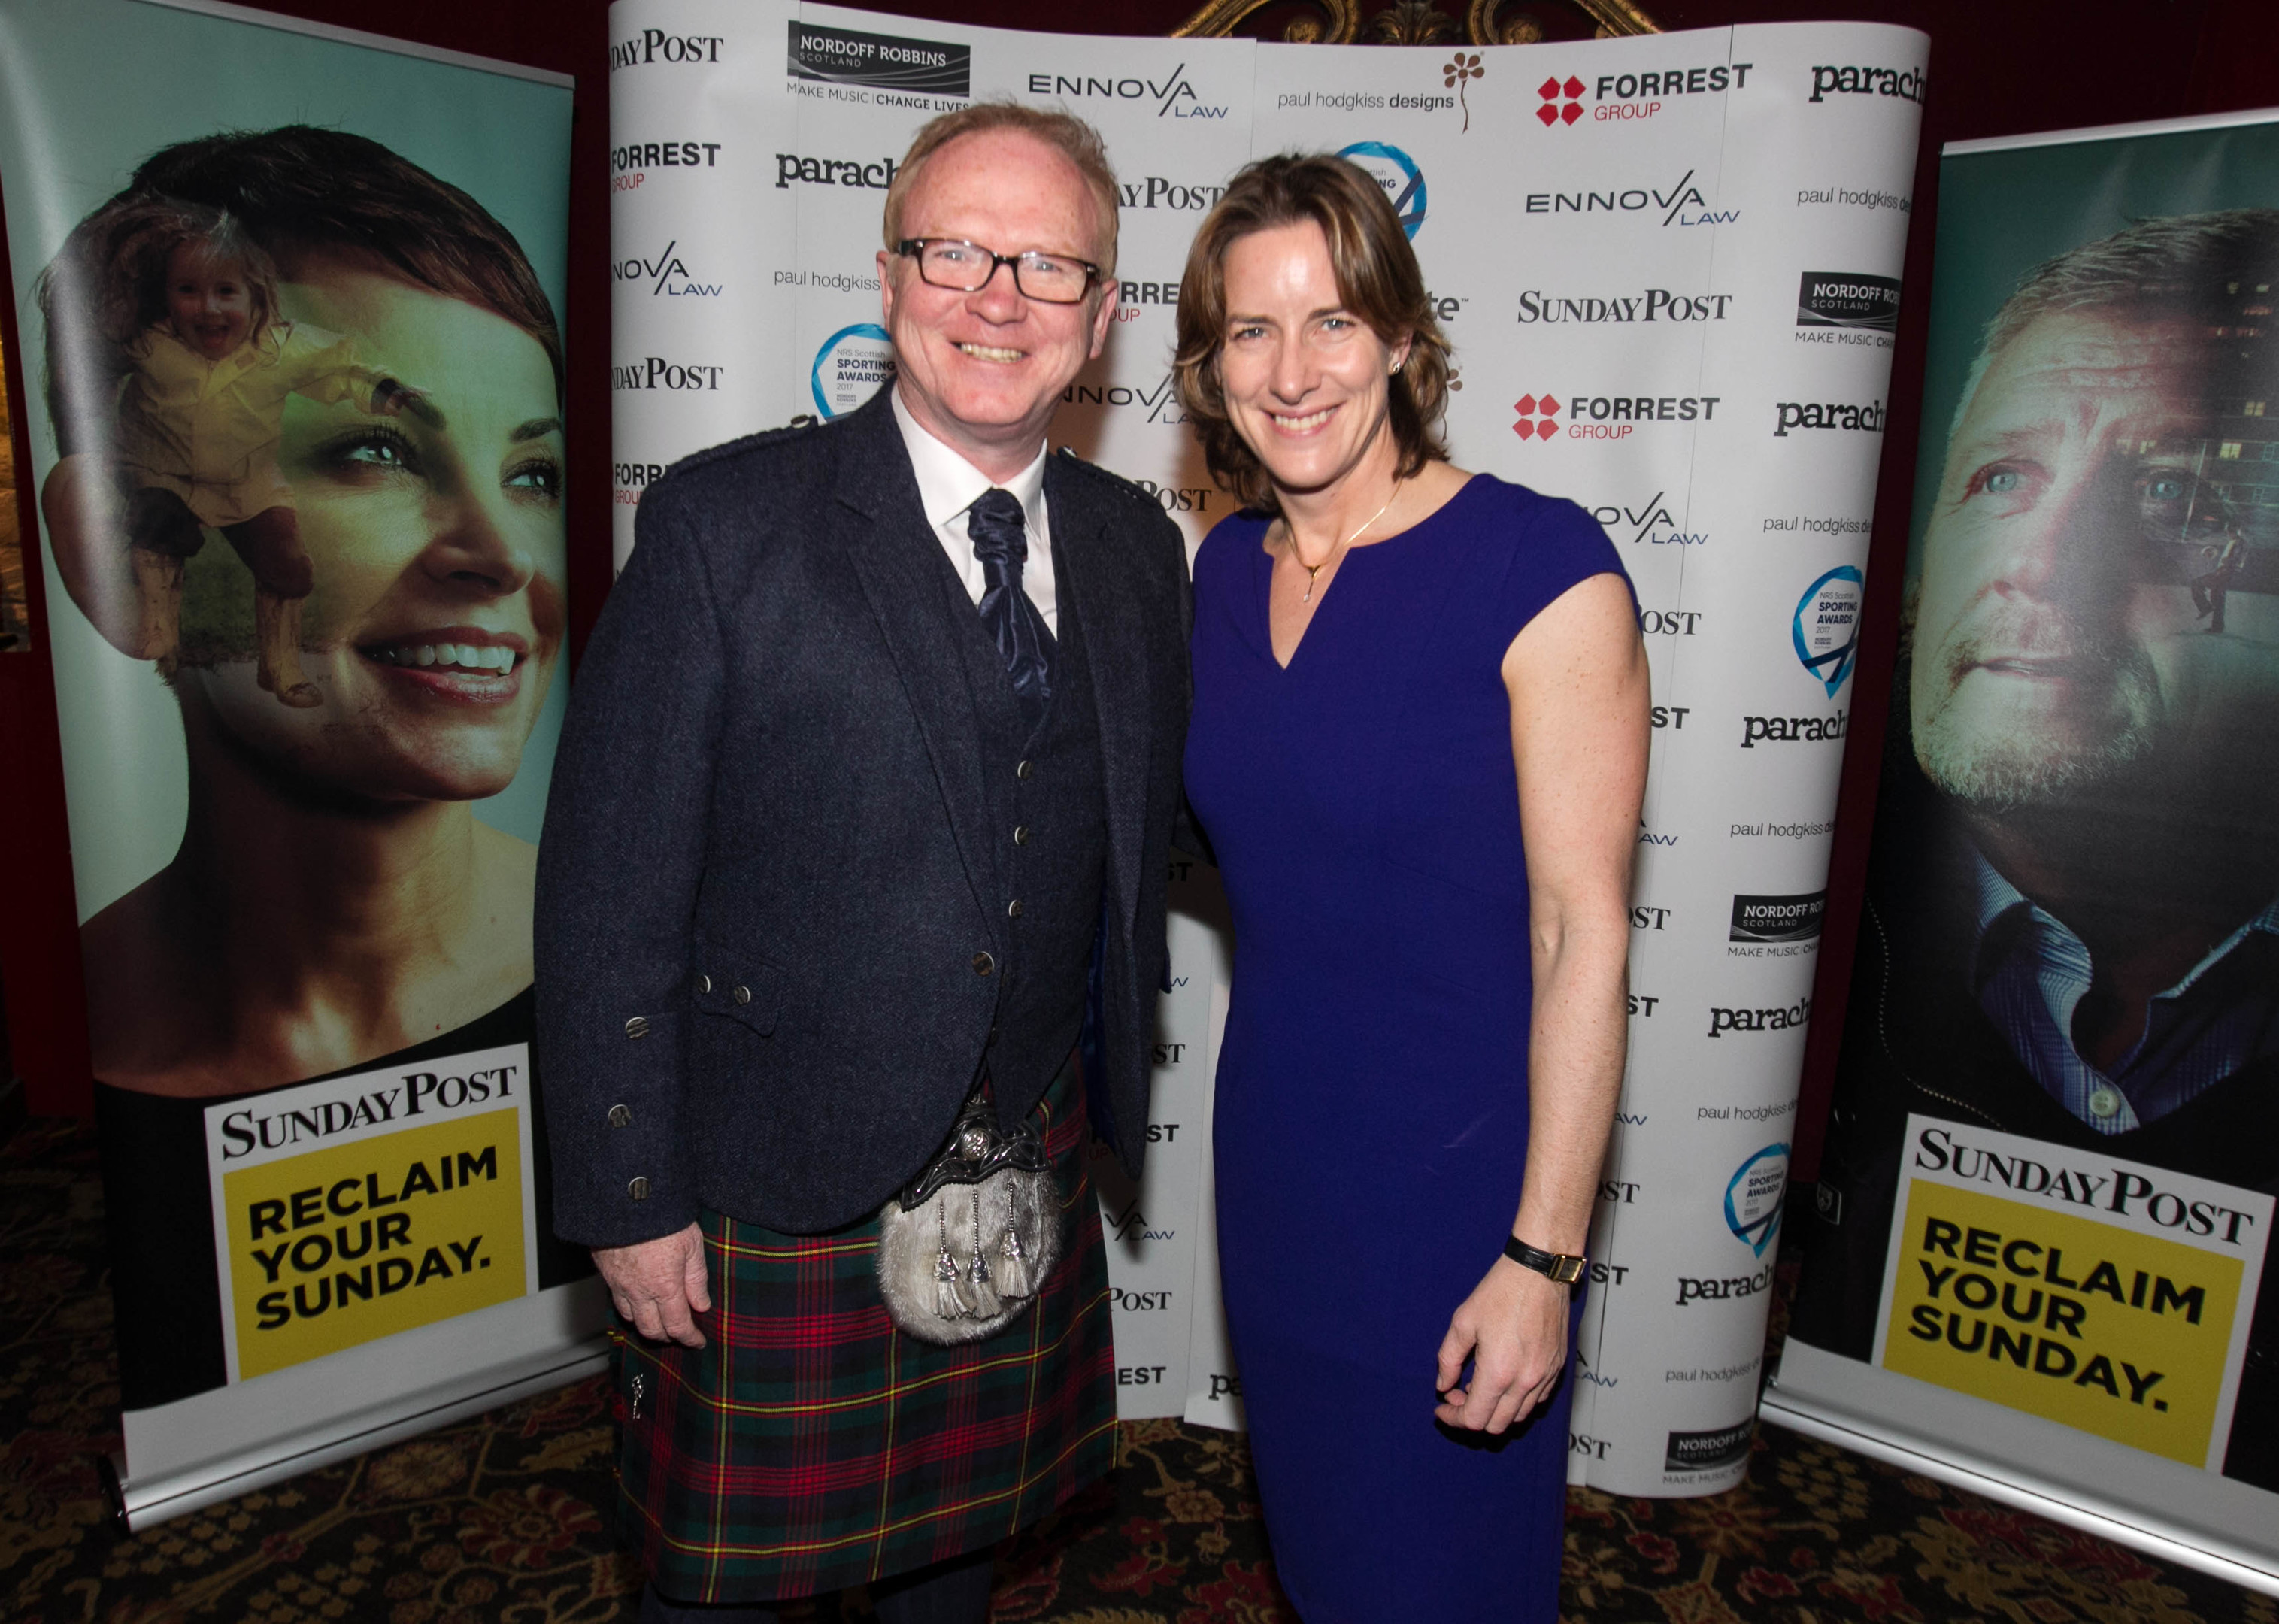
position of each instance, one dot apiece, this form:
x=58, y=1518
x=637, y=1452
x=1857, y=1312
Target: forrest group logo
x=1397, y=172
x=1562, y=101
x=1535, y=417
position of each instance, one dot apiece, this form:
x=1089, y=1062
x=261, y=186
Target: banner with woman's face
x=292, y=330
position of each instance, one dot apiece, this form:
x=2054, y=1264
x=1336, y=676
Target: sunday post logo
x=348, y=1210
x=2105, y=1295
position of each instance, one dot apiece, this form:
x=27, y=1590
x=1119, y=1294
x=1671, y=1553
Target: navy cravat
x=1002, y=543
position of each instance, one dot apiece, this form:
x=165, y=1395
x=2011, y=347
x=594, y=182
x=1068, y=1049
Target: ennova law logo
x=667, y=273
x=1671, y=202
x=1174, y=97
x=1650, y=521
x=1633, y=96
x=888, y=62
x=1160, y=401
x=1397, y=174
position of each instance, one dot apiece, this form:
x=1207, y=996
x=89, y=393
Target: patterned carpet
x=505, y=1518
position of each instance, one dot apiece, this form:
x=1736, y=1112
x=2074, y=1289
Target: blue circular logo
x=849, y=368
x=1752, y=1198
x=1827, y=626
x=1397, y=172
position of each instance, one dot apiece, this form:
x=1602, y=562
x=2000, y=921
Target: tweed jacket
x=768, y=910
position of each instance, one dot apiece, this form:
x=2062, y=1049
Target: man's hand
x=659, y=1285
x=1513, y=1329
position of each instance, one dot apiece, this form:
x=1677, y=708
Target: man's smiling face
x=983, y=371
x=2056, y=645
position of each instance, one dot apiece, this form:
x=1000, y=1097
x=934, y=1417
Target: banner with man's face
x=2049, y=1186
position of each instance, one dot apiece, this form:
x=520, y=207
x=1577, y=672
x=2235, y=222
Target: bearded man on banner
x=2071, y=931
x=871, y=768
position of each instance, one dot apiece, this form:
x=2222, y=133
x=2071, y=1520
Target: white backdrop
x=1669, y=266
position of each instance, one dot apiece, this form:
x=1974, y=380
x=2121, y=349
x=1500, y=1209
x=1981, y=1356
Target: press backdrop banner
x=1669, y=268
x=2040, y=1260
x=305, y=553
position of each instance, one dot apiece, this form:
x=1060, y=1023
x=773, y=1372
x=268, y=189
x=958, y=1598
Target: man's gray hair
x=2215, y=272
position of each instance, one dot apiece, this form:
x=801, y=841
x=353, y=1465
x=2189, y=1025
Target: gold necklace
x=1312, y=572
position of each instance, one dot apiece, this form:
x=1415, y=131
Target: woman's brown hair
x=1378, y=281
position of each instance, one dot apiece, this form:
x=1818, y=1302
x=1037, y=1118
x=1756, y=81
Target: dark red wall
x=1998, y=67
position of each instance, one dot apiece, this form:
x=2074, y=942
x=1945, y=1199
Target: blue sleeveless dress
x=1371, y=1125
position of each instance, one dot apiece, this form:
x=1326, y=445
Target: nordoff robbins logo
x=1848, y=299
x=1752, y=1197
x=1397, y=172
x=851, y=365
x=1826, y=627
x=839, y=56
x=1777, y=919
x=1780, y=1020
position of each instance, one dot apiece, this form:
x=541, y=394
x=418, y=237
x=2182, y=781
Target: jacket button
x=1021, y=834
x=638, y=1027
x=703, y=982
x=1026, y=770
x=619, y=1116
x=983, y=964
x=990, y=1042
x=742, y=995
x=638, y=1190
x=1013, y=908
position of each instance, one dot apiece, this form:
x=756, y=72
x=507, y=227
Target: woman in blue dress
x=1418, y=750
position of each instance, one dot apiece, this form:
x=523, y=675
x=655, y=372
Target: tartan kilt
x=810, y=1445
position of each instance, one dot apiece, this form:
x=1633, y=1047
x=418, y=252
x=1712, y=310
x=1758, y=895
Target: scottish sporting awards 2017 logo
x=1397, y=172
x=851, y=367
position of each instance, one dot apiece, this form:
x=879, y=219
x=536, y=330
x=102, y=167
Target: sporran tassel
x=948, y=1297
x=1014, y=1277
x=979, y=1289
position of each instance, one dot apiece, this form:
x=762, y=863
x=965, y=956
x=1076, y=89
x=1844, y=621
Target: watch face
x=1566, y=1270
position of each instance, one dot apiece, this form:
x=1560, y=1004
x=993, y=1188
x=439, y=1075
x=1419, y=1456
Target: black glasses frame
x=914, y=248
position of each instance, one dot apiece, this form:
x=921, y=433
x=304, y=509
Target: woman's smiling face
x=436, y=536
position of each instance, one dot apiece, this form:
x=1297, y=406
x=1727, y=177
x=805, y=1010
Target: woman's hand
x=1513, y=1328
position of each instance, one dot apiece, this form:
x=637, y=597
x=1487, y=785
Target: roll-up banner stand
x=2040, y=1260
x=302, y=527
x=1669, y=267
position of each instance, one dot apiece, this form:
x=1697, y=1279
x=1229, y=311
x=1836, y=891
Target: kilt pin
x=810, y=1445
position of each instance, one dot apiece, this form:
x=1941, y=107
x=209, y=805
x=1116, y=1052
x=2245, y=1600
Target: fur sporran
x=968, y=1244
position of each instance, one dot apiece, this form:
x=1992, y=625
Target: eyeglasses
x=966, y=267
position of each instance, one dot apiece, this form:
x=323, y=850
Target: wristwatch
x=1562, y=1267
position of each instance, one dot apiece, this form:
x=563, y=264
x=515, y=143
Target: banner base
x=1843, y=1402
x=141, y=1502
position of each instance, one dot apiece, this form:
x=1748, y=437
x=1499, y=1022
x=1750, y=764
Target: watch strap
x=1563, y=1267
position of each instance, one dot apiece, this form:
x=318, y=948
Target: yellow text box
x=343, y=1246
x=2085, y=1323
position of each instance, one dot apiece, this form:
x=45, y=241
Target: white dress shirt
x=948, y=485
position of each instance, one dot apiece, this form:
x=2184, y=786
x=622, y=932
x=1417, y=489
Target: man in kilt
x=865, y=799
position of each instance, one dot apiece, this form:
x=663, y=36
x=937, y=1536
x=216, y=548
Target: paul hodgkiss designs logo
x=1455, y=74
